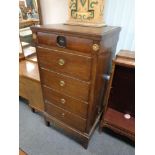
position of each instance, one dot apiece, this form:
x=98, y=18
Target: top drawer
x=73, y=43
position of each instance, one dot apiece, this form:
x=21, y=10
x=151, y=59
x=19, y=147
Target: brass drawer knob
x=62, y=83
x=63, y=101
x=63, y=114
x=96, y=47
x=61, y=62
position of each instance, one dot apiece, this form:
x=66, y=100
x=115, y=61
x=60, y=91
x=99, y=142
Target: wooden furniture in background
x=27, y=23
x=72, y=60
x=29, y=84
x=21, y=54
x=119, y=112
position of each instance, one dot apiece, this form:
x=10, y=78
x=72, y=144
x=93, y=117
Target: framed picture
x=86, y=12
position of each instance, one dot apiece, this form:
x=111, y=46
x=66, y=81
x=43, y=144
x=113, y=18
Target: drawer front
x=65, y=85
x=69, y=64
x=72, y=105
x=73, y=43
x=66, y=117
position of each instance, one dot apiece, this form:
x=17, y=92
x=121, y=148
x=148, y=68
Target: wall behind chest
x=121, y=13
x=116, y=13
x=54, y=11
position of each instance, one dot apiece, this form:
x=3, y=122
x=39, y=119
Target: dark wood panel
x=70, y=104
x=122, y=94
x=117, y=119
x=66, y=85
x=66, y=63
x=66, y=117
x=71, y=42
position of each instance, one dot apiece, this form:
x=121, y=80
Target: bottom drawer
x=66, y=117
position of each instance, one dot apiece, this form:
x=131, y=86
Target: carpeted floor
x=38, y=139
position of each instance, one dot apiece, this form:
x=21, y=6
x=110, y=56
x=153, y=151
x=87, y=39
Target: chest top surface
x=78, y=30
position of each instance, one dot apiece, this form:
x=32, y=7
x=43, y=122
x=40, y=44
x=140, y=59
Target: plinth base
x=81, y=137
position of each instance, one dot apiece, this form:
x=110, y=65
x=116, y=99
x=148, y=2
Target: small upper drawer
x=65, y=85
x=69, y=42
x=66, y=63
x=66, y=117
x=70, y=104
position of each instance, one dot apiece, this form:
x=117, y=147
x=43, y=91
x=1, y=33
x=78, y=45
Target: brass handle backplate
x=61, y=62
x=62, y=83
x=63, y=101
x=96, y=47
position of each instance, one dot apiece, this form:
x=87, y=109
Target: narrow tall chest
x=72, y=61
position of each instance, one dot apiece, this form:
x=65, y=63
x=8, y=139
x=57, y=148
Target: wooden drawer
x=66, y=117
x=75, y=106
x=73, y=43
x=66, y=63
x=65, y=84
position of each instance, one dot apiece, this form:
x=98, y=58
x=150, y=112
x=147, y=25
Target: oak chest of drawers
x=72, y=61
